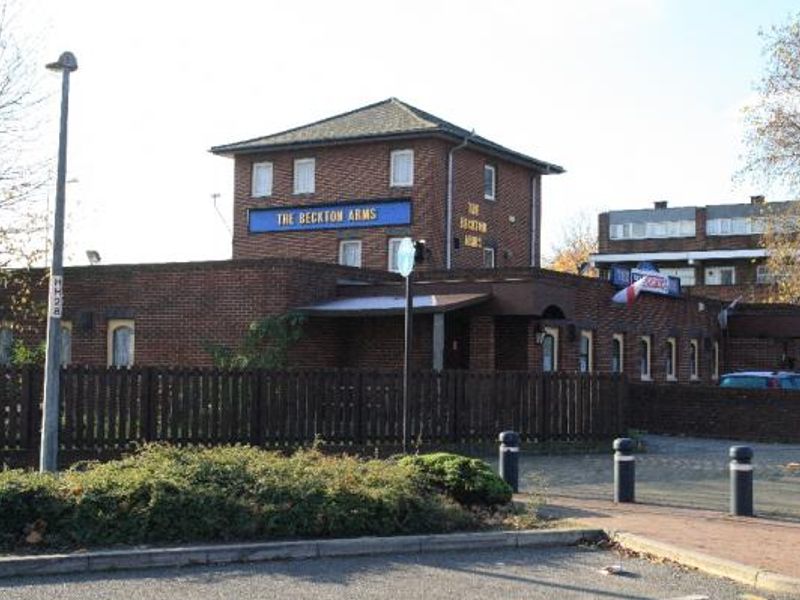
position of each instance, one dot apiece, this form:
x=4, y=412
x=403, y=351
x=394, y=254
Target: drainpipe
x=449, y=219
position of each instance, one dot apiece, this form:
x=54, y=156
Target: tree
x=578, y=241
x=781, y=239
x=23, y=176
x=265, y=346
x=772, y=124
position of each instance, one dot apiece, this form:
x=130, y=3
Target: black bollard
x=509, y=458
x=741, y=481
x=624, y=470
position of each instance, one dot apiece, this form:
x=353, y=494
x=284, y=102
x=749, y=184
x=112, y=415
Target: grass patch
x=164, y=494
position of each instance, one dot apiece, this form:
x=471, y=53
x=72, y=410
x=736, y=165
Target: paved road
x=688, y=472
x=562, y=573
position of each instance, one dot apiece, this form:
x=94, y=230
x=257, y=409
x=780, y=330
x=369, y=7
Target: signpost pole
x=406, y=254
x=407, y=360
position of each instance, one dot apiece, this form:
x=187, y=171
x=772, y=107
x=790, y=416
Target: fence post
x=148, y=405
x=28, y=415
x=257, y=414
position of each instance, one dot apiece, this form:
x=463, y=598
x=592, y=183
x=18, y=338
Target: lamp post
x=405, y=265
x=48, y=455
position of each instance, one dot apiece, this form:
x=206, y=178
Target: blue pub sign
x=340, y=215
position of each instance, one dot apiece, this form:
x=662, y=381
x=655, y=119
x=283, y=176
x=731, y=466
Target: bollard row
x=741, y=476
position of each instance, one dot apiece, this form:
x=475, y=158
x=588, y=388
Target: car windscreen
x=744, y=381
x=791, y=383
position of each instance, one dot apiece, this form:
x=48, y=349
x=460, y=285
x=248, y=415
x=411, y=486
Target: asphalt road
x=562, y=573
x=674, y=471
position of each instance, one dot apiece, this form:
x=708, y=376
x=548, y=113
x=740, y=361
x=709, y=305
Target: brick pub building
x=318, y=214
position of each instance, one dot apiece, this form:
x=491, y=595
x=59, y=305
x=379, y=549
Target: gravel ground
x=560, y=573
x=687, y=472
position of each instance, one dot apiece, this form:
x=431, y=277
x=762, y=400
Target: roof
x=389, y=119
x=375, y=306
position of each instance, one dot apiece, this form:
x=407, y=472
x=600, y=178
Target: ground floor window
x=644, y=357
x=394, y=247
x=694, y=359
x=121, y=337
x=550, y=350
x=585, y=354
x=720, y=276
x=671, y=362
x=617, y=353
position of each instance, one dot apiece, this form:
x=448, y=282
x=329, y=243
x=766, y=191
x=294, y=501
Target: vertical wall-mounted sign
x=56, y=296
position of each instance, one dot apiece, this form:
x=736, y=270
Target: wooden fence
x=105, y=410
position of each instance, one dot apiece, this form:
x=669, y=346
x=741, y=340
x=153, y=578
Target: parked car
x=786, y=380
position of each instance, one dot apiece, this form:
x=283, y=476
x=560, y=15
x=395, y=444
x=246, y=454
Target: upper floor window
x=350, y=253
x=120, y=342
x=653, y=229
x=402, y=168
x=394, y=246
x=685, y=274
x=735, y=226
x=262, y=180
x=720, y=276
x=617, y=353
x=489, y=182
x=304, y=175
x=66, y=342
x=585, y=354
x=488, y=258
x=763, y=274
x=6, y=344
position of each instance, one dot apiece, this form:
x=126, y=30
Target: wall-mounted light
x=539, y=333
x=93, y=256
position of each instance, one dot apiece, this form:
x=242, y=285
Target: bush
x=469, y=481
x=167, y=494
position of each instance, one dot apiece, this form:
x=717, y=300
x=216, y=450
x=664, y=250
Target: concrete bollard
x=624, y=470
x=741, y=469
x=509, y=458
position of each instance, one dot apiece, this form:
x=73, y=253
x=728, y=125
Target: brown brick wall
x=361, y=172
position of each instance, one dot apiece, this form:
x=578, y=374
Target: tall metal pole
x=407, y=360
x=48, y=456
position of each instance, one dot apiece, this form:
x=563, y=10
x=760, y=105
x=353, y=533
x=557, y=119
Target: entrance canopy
x=379, y=306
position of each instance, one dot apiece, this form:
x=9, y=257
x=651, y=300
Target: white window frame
x=552, y=332
x=254, y=192
x=717, y=280
x=589, y=337
x=66, y=357
x=392, y=241
x=715, y=365
x=299, y=162
x=345, y=243
x=393, y=180
x=694, y=361
x=687, y=275
x=488, y=251
x=493, y=170
x=672, y=374
x=113, y=325
x=620, y=338
x=763, y=275
x=648, y=374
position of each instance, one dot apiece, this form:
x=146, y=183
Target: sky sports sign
x=350, y=215
x=655, y=282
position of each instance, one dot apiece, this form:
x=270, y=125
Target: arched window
x=550, y=350
x=694, y=359
x=585, y=355
x=671, y=360
x=644, y=357
x=121, y=337
x=617, y=353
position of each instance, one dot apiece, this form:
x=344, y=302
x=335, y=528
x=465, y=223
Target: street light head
x=65, y=62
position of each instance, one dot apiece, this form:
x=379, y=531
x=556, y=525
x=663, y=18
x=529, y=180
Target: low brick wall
x=707, y=411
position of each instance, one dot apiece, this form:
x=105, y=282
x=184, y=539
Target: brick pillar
x=481, y=343
x=534, y=348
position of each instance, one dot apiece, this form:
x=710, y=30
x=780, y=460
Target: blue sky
x=639, y=99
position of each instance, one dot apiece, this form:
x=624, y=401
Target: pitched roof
x=383, y=120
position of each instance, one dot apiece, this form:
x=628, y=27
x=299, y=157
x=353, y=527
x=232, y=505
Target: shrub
x=469, y=481
x=167, y=494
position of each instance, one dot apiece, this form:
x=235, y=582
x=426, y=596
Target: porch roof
x=378, y=306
